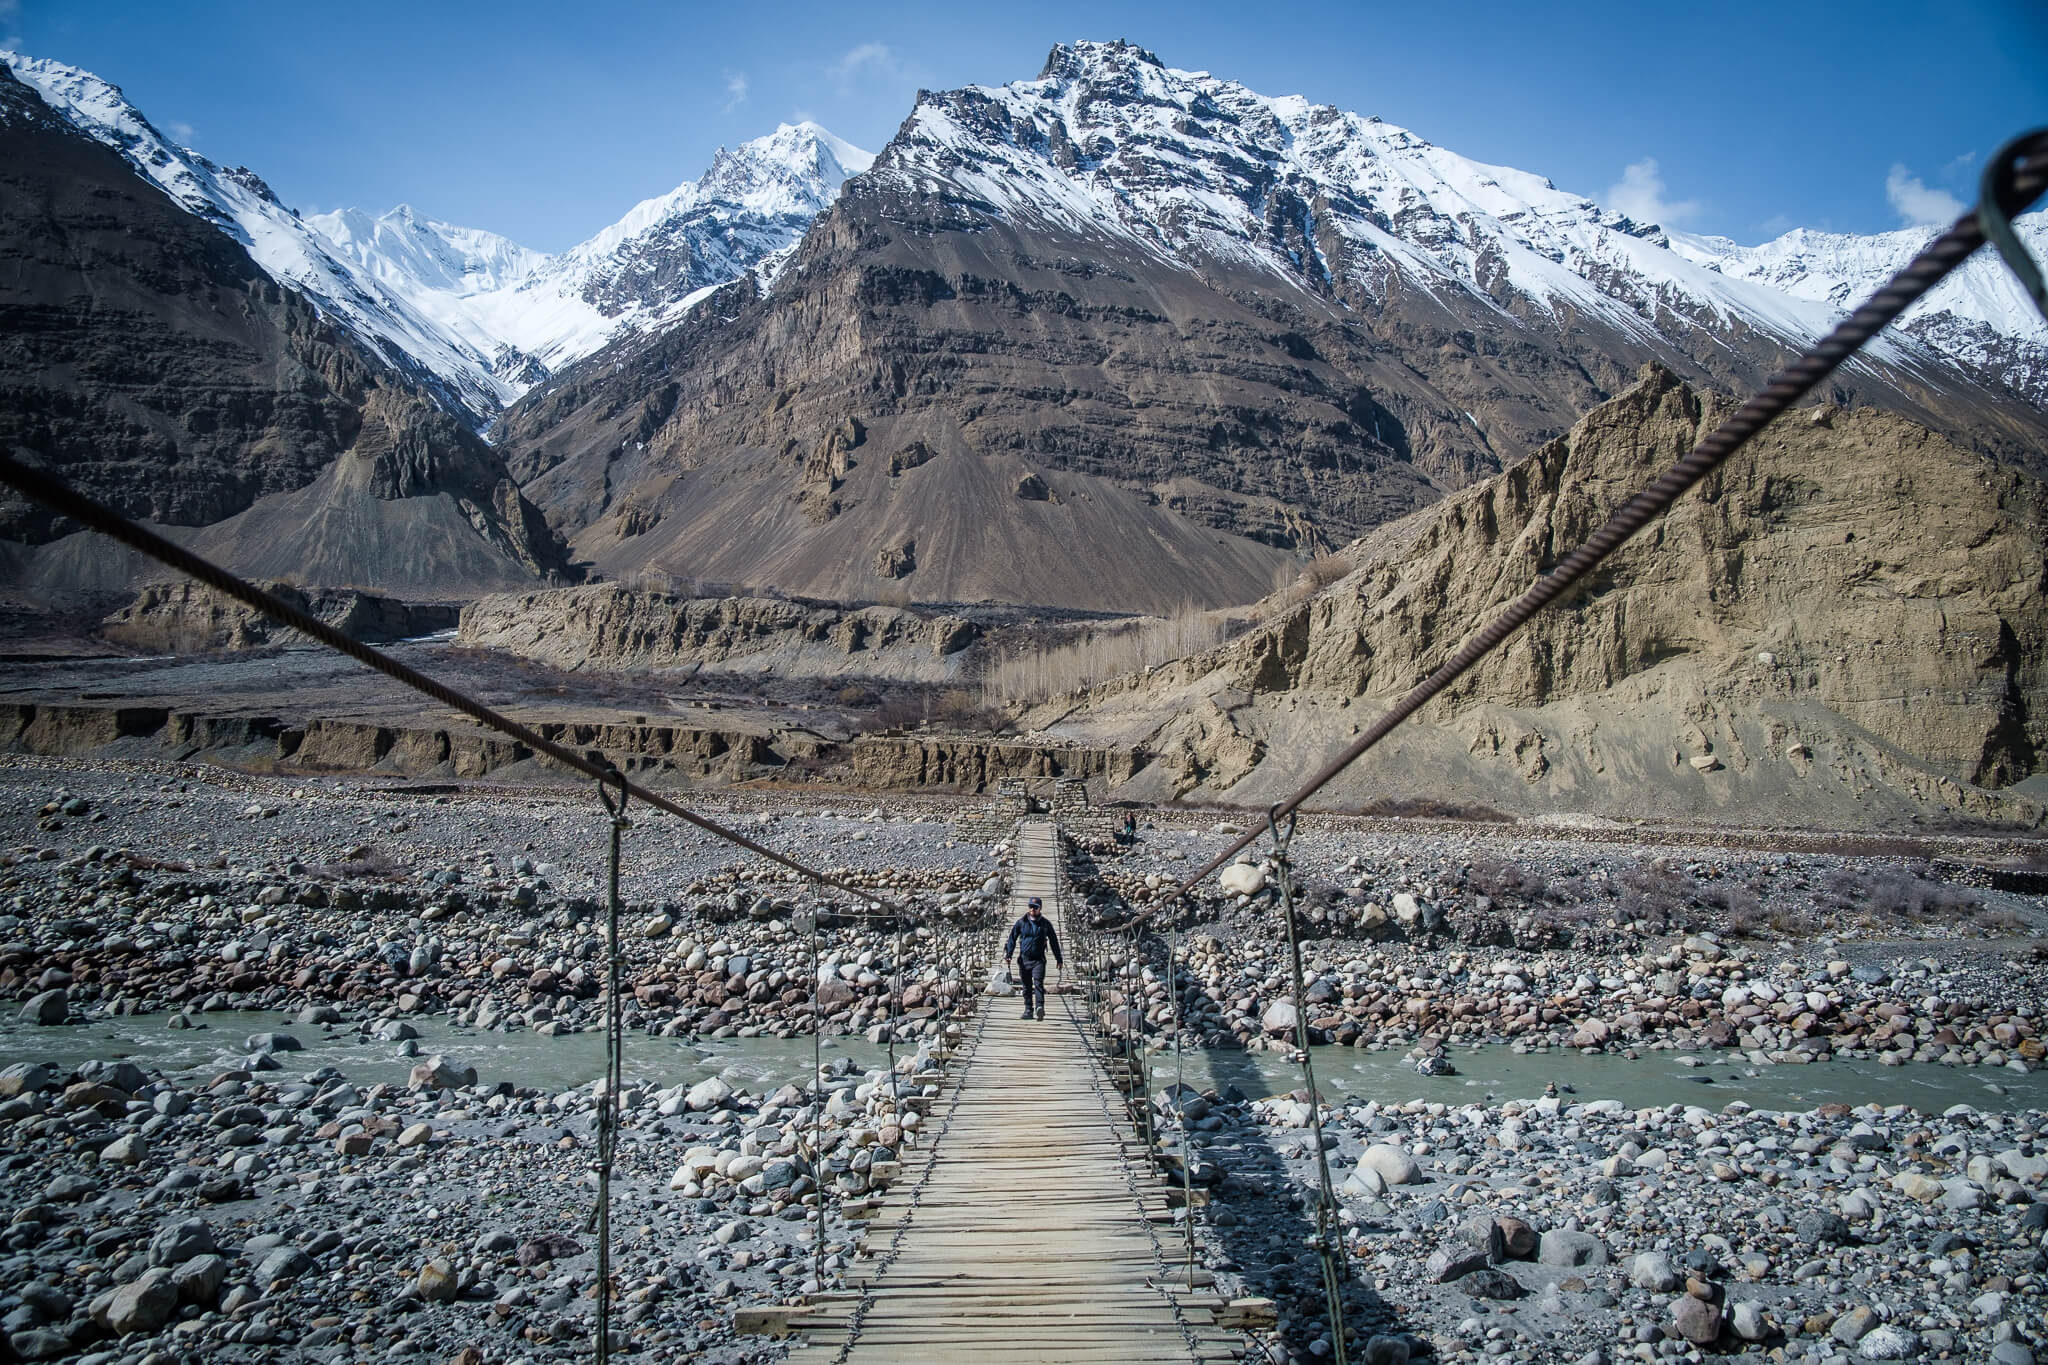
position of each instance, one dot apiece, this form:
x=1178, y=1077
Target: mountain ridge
x=1845, y=623
x=1157, y=285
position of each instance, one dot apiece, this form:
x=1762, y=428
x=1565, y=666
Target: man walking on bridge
x=1029, y=938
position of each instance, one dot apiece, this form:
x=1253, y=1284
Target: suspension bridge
x=1034, y=1227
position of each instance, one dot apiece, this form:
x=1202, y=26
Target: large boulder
x=285, y=1263
x=48, y=1007
x=176, y=1243
x=709, y=1093
x=441, y=1073
x=1569, y=1247
x=1279, y=1019
x=1391, y=1164
x=438, y=1282
x=1698, y=1321
x=1242, y=879
x=27, y=1077
x=130, y=1149
x=142, y=1305
x=199, y=1279
x=1652, y=1270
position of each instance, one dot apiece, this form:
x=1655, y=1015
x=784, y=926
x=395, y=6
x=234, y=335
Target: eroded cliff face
x=190, y=618
x=1846, y=623
x=613, y=628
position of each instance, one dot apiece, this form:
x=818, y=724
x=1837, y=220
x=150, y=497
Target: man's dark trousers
x=1031, y=974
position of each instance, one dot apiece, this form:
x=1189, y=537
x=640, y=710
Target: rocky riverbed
x=1548, y=944
x=1553, y=1230
x=343, y=1218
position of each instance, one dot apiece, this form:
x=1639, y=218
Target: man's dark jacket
x=1030, y=938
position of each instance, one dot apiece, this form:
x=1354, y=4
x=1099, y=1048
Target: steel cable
x=1327, y=1241
x=2026, y=158
x=614, y=1068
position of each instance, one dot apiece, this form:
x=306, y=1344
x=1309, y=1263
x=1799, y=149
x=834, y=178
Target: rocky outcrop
x=1846, y=624
x=146, y=359
x=190, y=618
x=609, y=627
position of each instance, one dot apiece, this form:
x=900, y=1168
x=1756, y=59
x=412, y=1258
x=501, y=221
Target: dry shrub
x=1324, y=570
x=902, y=711
x=1500, y=879
x=1896, y=893
x=1658, y=895
x=1038, y=674
x=1746, y=919
x=2000, y=923
x=964, y=710
x=1790, y=922
x=1429, y=808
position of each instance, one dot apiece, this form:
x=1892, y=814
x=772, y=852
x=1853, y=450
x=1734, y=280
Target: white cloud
x=868, y=57
x=735, y=90
x=1916, y=204
x=182, y=131
x=1640, y=195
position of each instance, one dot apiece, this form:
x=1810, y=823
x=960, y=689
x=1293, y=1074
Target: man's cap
x=1035, y=904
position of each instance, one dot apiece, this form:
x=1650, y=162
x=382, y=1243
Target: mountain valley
x=1119, y=341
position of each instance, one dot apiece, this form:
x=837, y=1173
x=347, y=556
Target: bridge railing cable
x=2015, y=178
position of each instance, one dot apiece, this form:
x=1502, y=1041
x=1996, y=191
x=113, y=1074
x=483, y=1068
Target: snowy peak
x=794, y=173
x=797, y=169
x=1112, y=145
x=403, y=246
x=535, y=313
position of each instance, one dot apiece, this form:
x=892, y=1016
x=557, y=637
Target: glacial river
x=761, y=1064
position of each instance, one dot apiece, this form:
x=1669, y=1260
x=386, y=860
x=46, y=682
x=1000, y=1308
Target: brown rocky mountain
x=1846, y=625
x=148, y=360
x=1125, y=336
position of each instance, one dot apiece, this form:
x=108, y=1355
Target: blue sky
x=546, y=122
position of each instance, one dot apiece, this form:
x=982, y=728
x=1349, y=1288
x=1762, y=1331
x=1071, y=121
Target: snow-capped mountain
x=1978, y=317
x=1234, y=327
x=238, y=202
x=476, y=316
x=641, y=273
x=1110, y=143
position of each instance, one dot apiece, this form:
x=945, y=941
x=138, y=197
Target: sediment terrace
x=302, y=710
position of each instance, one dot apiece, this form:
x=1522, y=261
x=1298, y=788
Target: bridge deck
x=1029, y=1235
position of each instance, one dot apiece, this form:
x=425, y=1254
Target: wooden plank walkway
x=1025, y=1233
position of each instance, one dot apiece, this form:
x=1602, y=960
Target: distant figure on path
x=1029, y=938
x=1130, y=828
